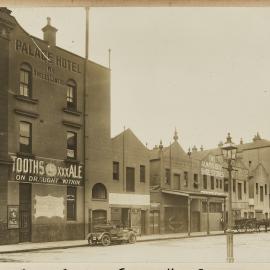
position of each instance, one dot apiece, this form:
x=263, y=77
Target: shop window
x=71, y=203
x=204, y=207
x=196, y=180
x=234, y=185
x=142, y=173
x=26, y=80
x=226, y=185
x=205, y=181
x=215, y=207
x=25, y=139
x=71, y=95
x=185, y=179
x=99, y=192
x=115, y=170
x=261, y=193
x=71, y=145
x=167, y=176
x=239, y=190
x=212, y=182
x=130, y=179
x=245, y=215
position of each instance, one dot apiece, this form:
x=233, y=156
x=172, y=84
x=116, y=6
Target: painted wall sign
x=13, y=216
x=212, y=167
x=41, y=170
x=33, y=51
x=49, y=206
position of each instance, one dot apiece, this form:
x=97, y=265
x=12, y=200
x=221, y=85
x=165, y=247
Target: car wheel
x=90, y=241
x=105, y=240
x=132, y=238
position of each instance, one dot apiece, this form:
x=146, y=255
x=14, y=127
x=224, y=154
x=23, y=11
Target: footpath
x=27, y=247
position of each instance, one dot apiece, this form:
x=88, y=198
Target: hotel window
x=234, y=185
x=257, y=188
x=265, y=189
x=226, y=185
x=217, y=183
x=212, y=182
x=239, y=190
x=71, y=145
x=71, y=95
x=205, y=181
x=261, y=193
x=115, y=170
x=25, y=80
x=25, y=137
x=71, y=203
x=142, y=173
x=130, y=179
x=245, y=187
x=185, y=179
x=196, y=182
x=167, y=176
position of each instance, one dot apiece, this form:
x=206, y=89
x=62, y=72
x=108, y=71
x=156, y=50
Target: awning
x=174, y=192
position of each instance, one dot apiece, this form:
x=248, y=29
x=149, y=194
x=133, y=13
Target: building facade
x=179, y=203
x=51, y=151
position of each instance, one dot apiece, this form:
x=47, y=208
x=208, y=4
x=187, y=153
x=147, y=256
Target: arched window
x=99, y=191
x=71, y=95
x=26, y=80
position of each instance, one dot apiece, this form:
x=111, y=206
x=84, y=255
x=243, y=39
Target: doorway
x=125, y=220
x=25, y=212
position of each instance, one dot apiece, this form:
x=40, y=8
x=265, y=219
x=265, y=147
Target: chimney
x=49, y=33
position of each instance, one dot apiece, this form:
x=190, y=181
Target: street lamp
x=229, y=153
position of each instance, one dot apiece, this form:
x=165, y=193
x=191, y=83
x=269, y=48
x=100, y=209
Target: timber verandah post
x=207, y=218
x=189, y=215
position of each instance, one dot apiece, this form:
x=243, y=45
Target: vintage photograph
x=134, y=133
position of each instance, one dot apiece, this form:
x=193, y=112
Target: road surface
x=248, y=248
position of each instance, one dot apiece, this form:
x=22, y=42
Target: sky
x=204, y=71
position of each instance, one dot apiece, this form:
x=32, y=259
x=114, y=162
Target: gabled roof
x=201, y=155
x=174, y=149
x=255, y=144
x=129, y=138
x=259, y=170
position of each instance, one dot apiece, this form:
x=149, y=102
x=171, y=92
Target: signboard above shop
x=212, y=166
x=46, y=171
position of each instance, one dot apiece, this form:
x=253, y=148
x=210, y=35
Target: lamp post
x=229, y=154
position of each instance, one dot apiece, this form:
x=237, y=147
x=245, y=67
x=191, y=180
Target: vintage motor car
x=106, y=234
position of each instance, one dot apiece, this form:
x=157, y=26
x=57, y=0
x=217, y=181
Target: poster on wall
x=13, y=216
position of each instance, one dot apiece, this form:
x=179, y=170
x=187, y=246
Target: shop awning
x=175, y=192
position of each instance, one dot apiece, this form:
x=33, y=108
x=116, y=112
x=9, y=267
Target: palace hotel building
x=61, y=173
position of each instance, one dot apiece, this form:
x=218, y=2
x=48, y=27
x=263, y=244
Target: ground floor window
x=215, y=207
x=71, y=203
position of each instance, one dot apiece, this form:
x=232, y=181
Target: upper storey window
x=26, y=80
x=71, y=95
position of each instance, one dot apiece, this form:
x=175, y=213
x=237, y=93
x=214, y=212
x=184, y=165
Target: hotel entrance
x=25, y=212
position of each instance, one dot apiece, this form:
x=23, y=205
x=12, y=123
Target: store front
x=45, y=200
x=130, y=210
